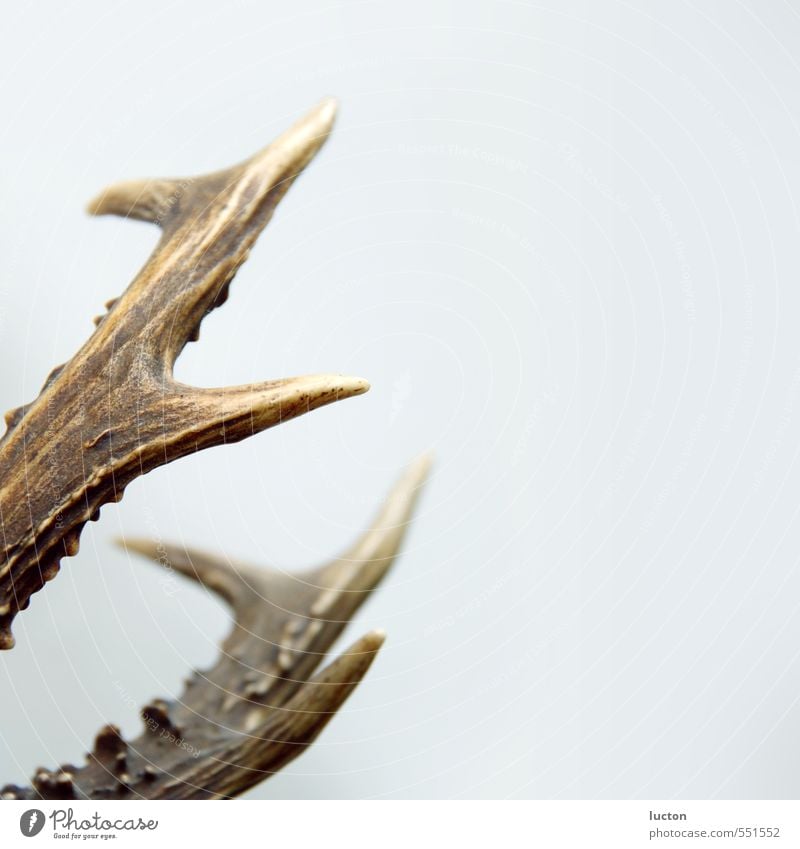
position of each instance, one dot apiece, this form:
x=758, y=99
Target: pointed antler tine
x=144, y=200
x=346, y=582
x=270, y=743
x=160, y=201
x=229, y=414
x=290, y=621
x=210, y=223
x=311, y=708
x=289, y=154
x=213, y=573
x=382, y=541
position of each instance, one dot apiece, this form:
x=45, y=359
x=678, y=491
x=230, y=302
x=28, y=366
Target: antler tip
x=319, y=120
x=137, y=545
x=372, y=641
x=420, y=467
x=145, y=200
x=327, y=109
x=350, y=386
x=319, y=389
x=347, y=669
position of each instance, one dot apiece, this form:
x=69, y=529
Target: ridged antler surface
x=258, y=707
x=114, y=411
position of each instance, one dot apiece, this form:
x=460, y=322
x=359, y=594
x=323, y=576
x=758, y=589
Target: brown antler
x=256, y=709
x=114, y=411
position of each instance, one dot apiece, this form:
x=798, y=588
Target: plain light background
x=561, y=241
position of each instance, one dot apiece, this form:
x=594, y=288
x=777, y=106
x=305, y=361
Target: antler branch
x=259, y=706
x=114, y=411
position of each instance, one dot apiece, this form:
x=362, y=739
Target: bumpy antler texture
x=114, y=411
x=257, y=708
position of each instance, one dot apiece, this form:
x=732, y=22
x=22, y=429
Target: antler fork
x=114, y=412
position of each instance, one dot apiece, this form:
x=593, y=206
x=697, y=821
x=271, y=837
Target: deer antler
x=257, y=708
x=114, y=411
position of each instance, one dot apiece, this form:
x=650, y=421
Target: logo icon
x=31, y=822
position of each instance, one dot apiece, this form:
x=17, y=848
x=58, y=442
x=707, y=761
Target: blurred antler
x=258, y=707
x=114, y=411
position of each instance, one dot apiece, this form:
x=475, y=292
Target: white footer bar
x=404, y=824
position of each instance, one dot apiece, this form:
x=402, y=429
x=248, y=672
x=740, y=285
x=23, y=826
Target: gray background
x=561, y=240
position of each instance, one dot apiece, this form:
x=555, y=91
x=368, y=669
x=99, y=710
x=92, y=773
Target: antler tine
x=272, y=169
x=238, y=765
x=332, y=592
x=114, y=411
x=349, y=579
x=258, y=706
x=285, y=623
x=210, y=224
